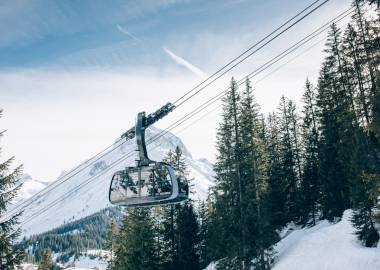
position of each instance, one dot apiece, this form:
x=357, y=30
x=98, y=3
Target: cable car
x=149, y=182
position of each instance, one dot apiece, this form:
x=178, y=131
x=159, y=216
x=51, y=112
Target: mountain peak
x=85, y=191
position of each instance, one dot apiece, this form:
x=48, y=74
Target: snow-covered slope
x=326, y=246
x=86, y=192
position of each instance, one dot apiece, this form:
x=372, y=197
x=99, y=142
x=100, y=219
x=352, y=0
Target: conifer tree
x=336, y=128
x=254, y=169
x=46, y=261
x=111, y=243
x=364, y=216
x=277, y=196
x=288, y=158
x=310, y=182
x=9, y=258
x=179, y=223
x=187, y=226
x=227, y=208
x=135, y=247
x=203, y=234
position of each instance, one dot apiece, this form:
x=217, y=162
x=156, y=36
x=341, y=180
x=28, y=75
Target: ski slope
x=67, y=202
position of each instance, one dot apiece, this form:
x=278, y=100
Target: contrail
x=177, y=59
x=180, y=61
x=125, y=32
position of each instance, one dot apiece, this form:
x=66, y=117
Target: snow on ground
x=86, y=262
x=28, y=266
x=91, y=259
x=325, y=246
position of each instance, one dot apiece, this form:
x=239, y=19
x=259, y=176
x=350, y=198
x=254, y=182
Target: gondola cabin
x=155, y=184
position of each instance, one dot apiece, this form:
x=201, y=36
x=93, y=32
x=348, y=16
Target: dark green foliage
x=241, y=232
x=111, y=243
x=260, y=232
x=277, y=197
x=187, y=226
x=203, y=234
x=74, y=237
x=227, y=216
x=9, y=257
x=347, y=110
x=364, y=218
x=135, y=249
x=310, y=182
x=47, y=262
x=179, y=226
x=289, y=157
x=337, y=127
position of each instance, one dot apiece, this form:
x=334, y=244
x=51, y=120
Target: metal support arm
x=149, y=120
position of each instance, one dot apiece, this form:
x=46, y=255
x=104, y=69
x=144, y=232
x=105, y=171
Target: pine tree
x=310, y=182
x=203, y=234
x=228, y=238
x=135, y=247
x=9, y=258
x=179, y=224
x=337, y=128
x=46, y=262
x=364, y=216
x=169, y=247
x=187, y=226
x=288, y=158
x=254, y=170
x=111, y=243
x=276, y=183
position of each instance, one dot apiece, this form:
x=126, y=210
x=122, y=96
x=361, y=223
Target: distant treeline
x=72, y=238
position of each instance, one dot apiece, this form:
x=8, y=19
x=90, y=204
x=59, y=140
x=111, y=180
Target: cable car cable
x=251, y=53
x=57, y=182
x=150, y=141
x=246, y=51
x=268, y=64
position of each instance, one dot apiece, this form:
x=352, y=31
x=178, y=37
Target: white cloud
x=71, y=116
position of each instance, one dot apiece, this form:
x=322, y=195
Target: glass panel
x=149, y=183
x=163, y=182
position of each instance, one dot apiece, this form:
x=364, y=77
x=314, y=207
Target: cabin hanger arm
x=150, y=120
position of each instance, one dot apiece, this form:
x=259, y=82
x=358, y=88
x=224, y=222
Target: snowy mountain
x=29, y=187
x=85, y=190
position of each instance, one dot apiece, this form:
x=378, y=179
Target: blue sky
x=75, y=73
x=86, y=33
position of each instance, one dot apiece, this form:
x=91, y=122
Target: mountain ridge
x=67, y=203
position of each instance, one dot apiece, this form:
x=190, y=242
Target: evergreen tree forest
x=308, y=160
x=301, y=163
x=74, y=238
x=304, y=162
x=9, y=186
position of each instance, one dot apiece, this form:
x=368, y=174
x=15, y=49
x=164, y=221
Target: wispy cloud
x=129, y=34
x=180, y=61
